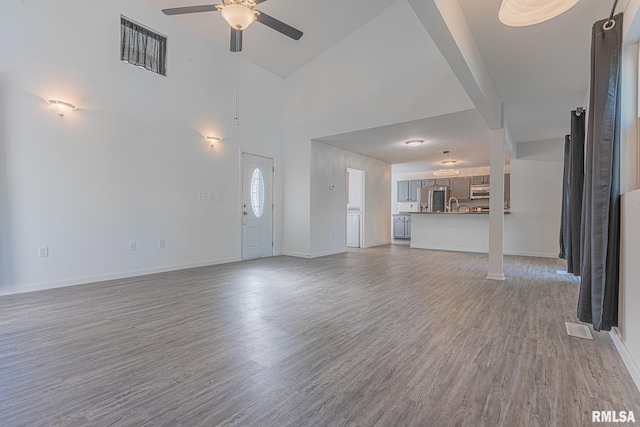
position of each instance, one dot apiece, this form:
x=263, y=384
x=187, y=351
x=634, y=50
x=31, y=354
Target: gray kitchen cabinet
x=413, y=190
x=460, y=189
x=403, y=191
x=428, y=183
x=401, y=226
x=443, y=182
x=480, y=180
x=408, y=190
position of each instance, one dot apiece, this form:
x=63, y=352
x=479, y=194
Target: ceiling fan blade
x=259, y=1
x=236, y=40
x=190, y=9
x=280, y=26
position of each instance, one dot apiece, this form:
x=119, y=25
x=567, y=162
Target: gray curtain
x=141, y=46
x=598, y=300
x=564, y=219
x=572, y=191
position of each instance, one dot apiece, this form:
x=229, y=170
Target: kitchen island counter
x=450, y=231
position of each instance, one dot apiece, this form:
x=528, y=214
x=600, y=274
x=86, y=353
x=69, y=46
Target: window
x=141, y=46
x=257, y=193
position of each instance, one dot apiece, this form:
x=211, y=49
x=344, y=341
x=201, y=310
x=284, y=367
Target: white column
x=496, y=205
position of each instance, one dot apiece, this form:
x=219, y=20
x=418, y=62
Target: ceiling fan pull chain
x=237, y=89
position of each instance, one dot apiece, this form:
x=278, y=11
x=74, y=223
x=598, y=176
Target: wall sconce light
x=212, y=140
x=61, y=107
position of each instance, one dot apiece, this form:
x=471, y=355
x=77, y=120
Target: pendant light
x=520, y=13
x=448, y=170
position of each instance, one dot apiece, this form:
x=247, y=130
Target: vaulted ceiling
x=539, y=72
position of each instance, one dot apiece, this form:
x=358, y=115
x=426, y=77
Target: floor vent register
x=580, y=331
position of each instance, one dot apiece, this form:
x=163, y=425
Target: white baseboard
x=449, y=248
x=484, y=251
x=532, y=254
x=111, y=276
x=296, y=254
x=379, y=243
x=631, y=364
x=327, y=253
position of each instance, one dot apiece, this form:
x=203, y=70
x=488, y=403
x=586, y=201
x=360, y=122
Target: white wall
x=328, y=206
x=385, y=72
x=627, y=335
x=130, y=163
x=533, y=226
x=629, y=315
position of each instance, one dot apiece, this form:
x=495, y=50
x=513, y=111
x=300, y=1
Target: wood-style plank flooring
x=388, y=336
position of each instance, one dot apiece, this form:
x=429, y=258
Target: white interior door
x=257, y=211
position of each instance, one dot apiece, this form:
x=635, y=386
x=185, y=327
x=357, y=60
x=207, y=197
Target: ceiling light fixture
x=238, y=13
x=414, y=142
x=61, y=107
x=447, y=171
x=520, y=13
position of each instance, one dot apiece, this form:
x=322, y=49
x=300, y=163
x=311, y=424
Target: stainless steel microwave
x=479, y=192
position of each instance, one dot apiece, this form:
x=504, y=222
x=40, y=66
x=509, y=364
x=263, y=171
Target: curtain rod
x=613, y=10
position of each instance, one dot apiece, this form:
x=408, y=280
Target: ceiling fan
x=239, y=14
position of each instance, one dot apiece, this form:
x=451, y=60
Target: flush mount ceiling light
x=61, y=107
x=447, y=171
x=414, y=142
x=520, y=13
x=212, y=140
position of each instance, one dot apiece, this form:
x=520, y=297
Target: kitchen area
x=446, y=213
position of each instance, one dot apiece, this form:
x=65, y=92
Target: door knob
x=245, y=213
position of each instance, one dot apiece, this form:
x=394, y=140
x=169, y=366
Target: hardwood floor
x=388, y=336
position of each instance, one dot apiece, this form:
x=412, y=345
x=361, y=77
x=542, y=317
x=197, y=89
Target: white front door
x=257, y=206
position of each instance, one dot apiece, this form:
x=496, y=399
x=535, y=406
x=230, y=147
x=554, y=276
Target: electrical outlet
x=132, y=245
x=43, y=251
x=161, y=243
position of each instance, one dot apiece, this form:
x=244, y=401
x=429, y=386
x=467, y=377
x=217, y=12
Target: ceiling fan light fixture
x=238, y=16
x=520, y=13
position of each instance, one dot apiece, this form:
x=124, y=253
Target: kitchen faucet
x=449, y=203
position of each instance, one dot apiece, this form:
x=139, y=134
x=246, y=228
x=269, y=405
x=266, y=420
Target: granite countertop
x=449, y=213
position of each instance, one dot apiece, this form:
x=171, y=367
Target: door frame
x=241, y=154
x=346, y=203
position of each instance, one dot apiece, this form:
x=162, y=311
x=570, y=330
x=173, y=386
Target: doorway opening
x=355, y=208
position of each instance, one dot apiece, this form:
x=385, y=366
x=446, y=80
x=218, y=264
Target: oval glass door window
x=257, y=192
